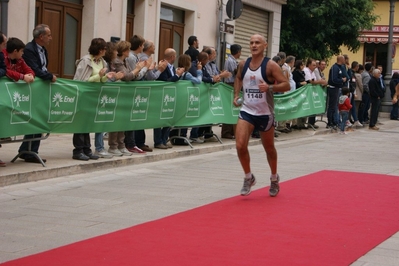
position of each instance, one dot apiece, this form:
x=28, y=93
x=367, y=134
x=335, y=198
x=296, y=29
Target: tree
x=318, y=28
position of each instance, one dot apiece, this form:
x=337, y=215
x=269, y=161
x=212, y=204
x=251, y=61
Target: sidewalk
x=38, y=216
x=57, y=149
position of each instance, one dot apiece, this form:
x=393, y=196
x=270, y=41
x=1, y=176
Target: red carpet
x=326, y=218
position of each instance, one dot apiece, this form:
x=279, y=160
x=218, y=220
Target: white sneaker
x=196, y=140
x=358, y=124
x=125, y=152
x=115, y=152
x=103, y=154
x=348, y=123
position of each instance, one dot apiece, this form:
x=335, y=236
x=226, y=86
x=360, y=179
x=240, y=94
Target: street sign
x=226, y=28
x=234, y=9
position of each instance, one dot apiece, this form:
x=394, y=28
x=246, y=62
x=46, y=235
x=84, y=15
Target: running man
x=259, y=77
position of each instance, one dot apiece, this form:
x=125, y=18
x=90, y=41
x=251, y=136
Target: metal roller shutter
x=252, y=20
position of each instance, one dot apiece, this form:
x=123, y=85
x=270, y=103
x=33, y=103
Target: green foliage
x=318, y=28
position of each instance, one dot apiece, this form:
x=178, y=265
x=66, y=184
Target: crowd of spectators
x=132, y=61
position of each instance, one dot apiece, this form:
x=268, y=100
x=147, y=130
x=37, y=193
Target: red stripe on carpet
x=325, y=218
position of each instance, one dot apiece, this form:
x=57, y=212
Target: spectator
x=91, y=68
x=277, y=59
x=355, y=84
x=116, y=140
x=152, y=73
x=184, y=62
x=130, y=66
x=299, y=78
x=203, y=134
x=392, y=85
x=192, y=49
x=282, y=126
x=230, y=65
x=283, y=57
x=344, y=106
x=17, y=69
x=311, y=78
x=359, y=86
x=121, y=65
x=287, y=71
x=35, y=56
x=364, y=106
x=211, y=66
x=161, y=135
x=376, y=94
x=336, y=80
x=136, y=48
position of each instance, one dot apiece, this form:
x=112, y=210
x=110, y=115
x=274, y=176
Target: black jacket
x=375, y=88
x=32, y=58
x=167, y=76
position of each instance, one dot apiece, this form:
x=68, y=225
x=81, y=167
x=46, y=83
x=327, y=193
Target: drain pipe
x=4, y=16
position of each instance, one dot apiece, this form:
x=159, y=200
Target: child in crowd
x=344, y=106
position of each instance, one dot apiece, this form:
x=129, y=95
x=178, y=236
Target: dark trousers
x=130, y=140
x=81, y=142
x=312, y=120
x=364, y=108
x=333, y=94
x=394, y=111
x=375, y=107
x=139, y=136
x=34, y=146
x=205, y=131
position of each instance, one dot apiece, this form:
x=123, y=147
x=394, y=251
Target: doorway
x=65, y=21
x=171, y=30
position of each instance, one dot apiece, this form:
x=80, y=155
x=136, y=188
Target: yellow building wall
x=382, y=10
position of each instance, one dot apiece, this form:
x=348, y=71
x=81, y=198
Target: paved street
x=37, y=216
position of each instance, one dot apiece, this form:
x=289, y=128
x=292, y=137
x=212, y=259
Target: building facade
x=168, y=23
x=374, y=42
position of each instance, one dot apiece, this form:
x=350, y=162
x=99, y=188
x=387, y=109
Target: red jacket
x=344, y=103
x=16, y=70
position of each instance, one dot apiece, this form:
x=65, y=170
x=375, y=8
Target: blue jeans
x=353, y=110
x=344, y=117
x=375, y=107
x=161, y=135
x=364, y=108
x=99, y=141
x=394, y=111
x=333, y=94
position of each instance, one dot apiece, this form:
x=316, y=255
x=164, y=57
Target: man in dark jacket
x=376, y=94
x=336, y=81
x=35, y=56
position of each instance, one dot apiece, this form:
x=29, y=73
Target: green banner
x=68, y=106
x=306, y=101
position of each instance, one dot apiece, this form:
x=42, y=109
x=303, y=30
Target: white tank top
x=254, y=101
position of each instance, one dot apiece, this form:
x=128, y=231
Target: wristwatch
x=271, y=88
